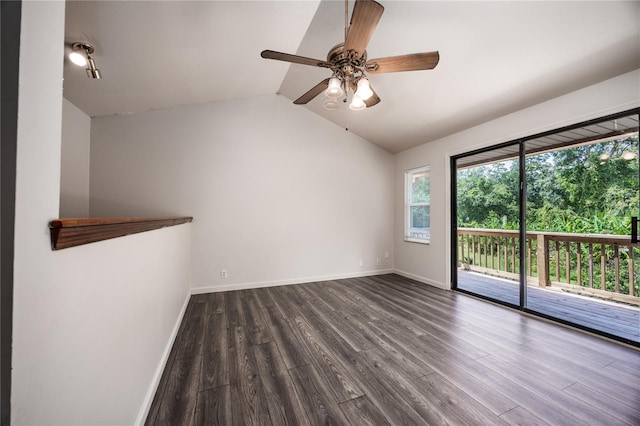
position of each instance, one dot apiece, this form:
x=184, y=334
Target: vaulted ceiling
x=495, y=57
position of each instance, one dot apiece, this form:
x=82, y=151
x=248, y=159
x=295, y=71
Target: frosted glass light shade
x=364, y=91
x=331, y=104
x=335, y=88
x=357, y=103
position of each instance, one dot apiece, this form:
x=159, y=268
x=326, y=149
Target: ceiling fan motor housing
x=346, y=65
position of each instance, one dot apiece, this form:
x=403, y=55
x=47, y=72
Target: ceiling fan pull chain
x=346, y=114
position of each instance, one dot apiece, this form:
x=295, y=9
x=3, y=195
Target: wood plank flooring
x=386, y=350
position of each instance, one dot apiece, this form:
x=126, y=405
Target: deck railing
x=597, y=265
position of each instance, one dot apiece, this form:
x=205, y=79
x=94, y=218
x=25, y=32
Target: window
x=417, y=226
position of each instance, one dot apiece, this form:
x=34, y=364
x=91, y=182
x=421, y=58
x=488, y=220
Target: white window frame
x=408, y=185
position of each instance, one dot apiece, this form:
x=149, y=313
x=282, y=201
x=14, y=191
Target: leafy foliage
x=584, y=189
x=421, y=190
x=421, y=193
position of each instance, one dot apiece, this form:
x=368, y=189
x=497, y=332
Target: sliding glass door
x=488, y=224
x=545, y=224
x=581, y=199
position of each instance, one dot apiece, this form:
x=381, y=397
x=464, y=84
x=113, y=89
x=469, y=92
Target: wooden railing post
x=543, y=261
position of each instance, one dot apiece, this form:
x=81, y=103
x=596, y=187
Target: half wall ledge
x=67, y=233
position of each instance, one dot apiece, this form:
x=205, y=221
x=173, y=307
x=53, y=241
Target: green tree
x=584, y=189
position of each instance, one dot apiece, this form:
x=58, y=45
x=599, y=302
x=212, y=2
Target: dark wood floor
x=386, y=351
x=618, y=320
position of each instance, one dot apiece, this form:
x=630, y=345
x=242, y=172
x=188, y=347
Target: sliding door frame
x=522, y=217
x=522, y=229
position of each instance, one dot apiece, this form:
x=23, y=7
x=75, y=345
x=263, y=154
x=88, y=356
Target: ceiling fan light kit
x=357, y=103
x=331, y=103
x=335, y=88
x=364, y=90
x=349, y=64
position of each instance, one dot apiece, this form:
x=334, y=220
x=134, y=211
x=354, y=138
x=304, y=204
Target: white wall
x=278, y=194
x=431, y=263
x=74, y=170
x=91, y=324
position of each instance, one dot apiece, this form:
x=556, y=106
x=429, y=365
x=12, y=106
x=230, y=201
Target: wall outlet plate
x=223, y=273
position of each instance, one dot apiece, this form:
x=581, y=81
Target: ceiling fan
x=349, y=64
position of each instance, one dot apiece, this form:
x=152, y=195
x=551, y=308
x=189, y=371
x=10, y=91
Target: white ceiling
x=161, y=54
x=495, y=57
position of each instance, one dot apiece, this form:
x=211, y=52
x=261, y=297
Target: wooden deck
x=616, y=319
x=386, y=350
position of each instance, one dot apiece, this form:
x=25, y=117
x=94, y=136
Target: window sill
x=413, y=240
x=67, y=233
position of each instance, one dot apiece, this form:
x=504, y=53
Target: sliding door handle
x=634, y=229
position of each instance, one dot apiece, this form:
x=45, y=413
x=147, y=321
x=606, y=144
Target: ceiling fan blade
x=411, y=62
x=279, y=56
x=315, y=91
x=364, y=20
x=373, y=99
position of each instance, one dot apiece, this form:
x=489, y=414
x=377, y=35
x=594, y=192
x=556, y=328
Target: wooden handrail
x=73, y=232
x=494, y=232
x=553, y=236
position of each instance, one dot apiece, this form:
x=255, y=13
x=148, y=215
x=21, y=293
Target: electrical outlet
x=223, y=273
x=386, y=254
x=360, y=262
x=378, y=262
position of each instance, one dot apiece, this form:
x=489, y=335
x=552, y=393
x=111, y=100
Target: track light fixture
x=80, y=55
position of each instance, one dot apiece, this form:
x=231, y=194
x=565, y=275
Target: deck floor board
x=616, y=319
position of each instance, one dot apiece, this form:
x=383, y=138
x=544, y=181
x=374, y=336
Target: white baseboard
x=153, y=387
x=421, y=279
x=243, y=286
